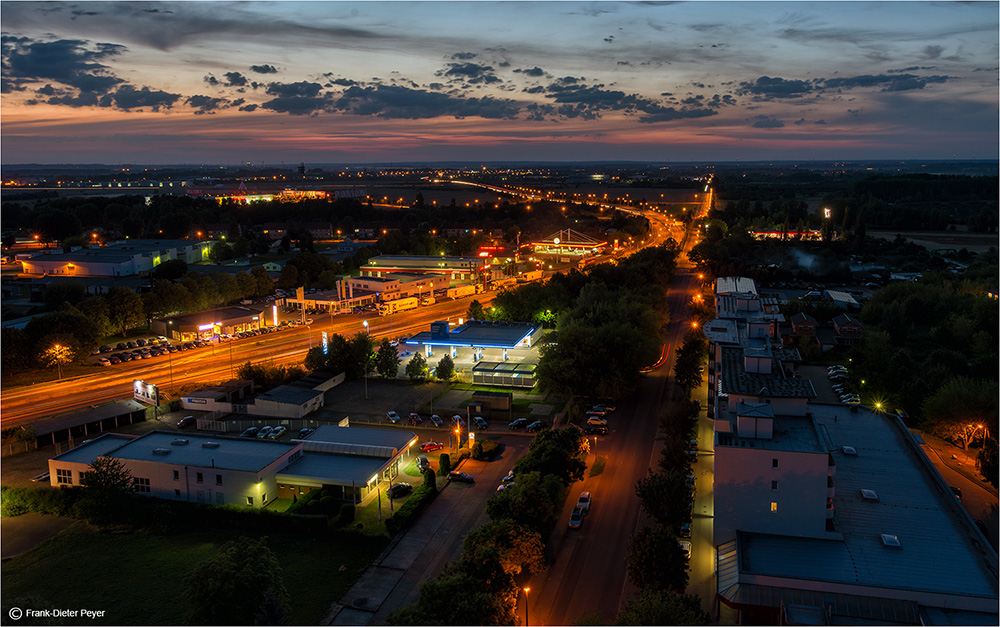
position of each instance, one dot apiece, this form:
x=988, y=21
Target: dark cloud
x=764, y=121
x=211, y=80
x=72, y=62
x=912, y=68
x=820, y=122
x=79, y=13
x=303, y=89
x=248, y=108
x=396, y=102
x=296, y=105
x=206, y=104
x=235, y=79
x=669, y=114
x=774, y=87
x=470, y=73
x=264, y=69
x=888, y=82
x=800, y=122
x=933, y=52
x=535, y=71
x=463, y=56
x=343, y=82
x=156, y=11
x=128, y=98
x=609, y=39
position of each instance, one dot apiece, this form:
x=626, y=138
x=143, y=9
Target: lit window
x=774, y=506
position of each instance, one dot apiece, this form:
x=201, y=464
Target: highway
x=202, y=366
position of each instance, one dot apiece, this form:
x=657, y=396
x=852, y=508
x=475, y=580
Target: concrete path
x=25, y=532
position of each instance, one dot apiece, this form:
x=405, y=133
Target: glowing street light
x=526, y=591
x=369, y=332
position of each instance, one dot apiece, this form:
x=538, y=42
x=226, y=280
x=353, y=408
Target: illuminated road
x=216, y=363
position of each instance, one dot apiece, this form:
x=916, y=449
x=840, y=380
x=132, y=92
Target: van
x=596, y=421
x=422, y=463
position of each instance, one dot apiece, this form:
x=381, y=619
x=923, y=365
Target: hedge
x=411, y=508
x=485, y=450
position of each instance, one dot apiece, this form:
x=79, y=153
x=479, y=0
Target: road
x=588, y=572
x=174, y=371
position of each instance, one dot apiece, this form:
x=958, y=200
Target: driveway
x=25, y=532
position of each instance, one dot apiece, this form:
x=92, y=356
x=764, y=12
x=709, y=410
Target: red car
x=415, y=419
x=427, y=447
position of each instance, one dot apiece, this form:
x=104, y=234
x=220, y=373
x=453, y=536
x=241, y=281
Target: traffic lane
x=976, y=499
x=588, y=572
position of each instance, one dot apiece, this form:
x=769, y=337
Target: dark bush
x=410, y=509
x=444, y=464
x=347, y=512
x=485, y=450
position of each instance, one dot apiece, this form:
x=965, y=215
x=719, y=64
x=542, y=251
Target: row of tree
x=481, y=588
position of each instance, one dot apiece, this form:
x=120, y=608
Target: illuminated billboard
x=145, y=392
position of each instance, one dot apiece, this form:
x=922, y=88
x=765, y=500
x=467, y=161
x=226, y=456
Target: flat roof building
x=456, y=268
x=209, y=323
x=123, y=258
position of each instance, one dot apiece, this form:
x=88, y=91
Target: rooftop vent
x=179, y=442
x=161, y=451
x=209, y=445
x=849, y=450
x=890, y=541
x=870, y=496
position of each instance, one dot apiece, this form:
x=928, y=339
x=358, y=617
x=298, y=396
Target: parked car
x=685, y=530
x=576, y=518
x=106, y=349
x=437, y=420
x=186, y=421
x=392, y=416
x=604, y=407
x=415, y=418
x=584, y=501
x=115, y=360
x=250, y=432
x=596, y=421
x=480, y=422
x=427, y=447
x=264, y=431
x=423, y=463
x=277, y=432
x=140, y=342
x=518, y=424
x=508, y=477
x=504, y=486
x=399, y=489
x=458, y=421
x=597, y=410
x=957, y=492
x=595, y=430
x=538, y=425
x=304, y=433
x=460, y=477
x=104, y=361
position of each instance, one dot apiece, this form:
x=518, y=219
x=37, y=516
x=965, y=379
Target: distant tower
x=302, y=169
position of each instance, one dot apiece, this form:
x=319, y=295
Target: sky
x=399, y=82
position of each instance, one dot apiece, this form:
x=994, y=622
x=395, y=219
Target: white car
x=584, y=501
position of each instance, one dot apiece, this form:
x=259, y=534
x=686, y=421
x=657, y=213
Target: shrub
x=41, y=500
x=430, y=479
x=411, y=508
x=444, y=464
x=347, y=512
x=485, y=450
x=464, y=453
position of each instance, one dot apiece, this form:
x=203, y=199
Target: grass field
x=138, y=578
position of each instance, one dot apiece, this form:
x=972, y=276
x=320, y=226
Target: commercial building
x=189, y=467
x=502, y=339
x=224, y=470
x=209, y=323
x=124, y=258
x=457, y=269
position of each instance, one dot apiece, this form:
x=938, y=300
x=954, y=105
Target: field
x=138, y=578
x=974, y=242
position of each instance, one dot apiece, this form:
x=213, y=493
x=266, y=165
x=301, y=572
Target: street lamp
x=369, y=332
x=526, y=591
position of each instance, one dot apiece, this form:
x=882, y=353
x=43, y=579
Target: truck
x=527, y=277
x=428, y=300
x=396, y=306
x=462, y=291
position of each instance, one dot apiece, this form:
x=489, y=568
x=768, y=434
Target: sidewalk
x=958, y=459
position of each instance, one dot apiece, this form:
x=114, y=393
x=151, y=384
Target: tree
x=532, y=503
x=107, y=478
x=961, y=407
x=57, y=355
x=475, y=311
x=229, y=587
x=987, y=461
x=445, y=368
x=444, y=464
x=416, y=368
x=663, y=607
x=665, y=496
x=16, y=355
x=556, y=452
x=520, y=549
x=387, y=360
x=125, y=310
x=655, y=560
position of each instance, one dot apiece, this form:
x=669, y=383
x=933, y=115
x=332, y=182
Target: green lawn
x=138, y=578
x=598, y=466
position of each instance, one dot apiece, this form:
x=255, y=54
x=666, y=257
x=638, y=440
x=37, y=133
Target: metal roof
x=735, y=285
x=941, y=549
x=364, y=441
x=289, y=394
x=735, y=380
x=477, y=333
x=87, y=416
x=325, y=469
x=90, y=450
x=241, y=454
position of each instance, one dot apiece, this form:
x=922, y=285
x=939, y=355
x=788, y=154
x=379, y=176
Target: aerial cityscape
x=500, y=313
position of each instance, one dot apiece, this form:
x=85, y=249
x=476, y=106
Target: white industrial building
x=124, y=258
x=827, y=513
